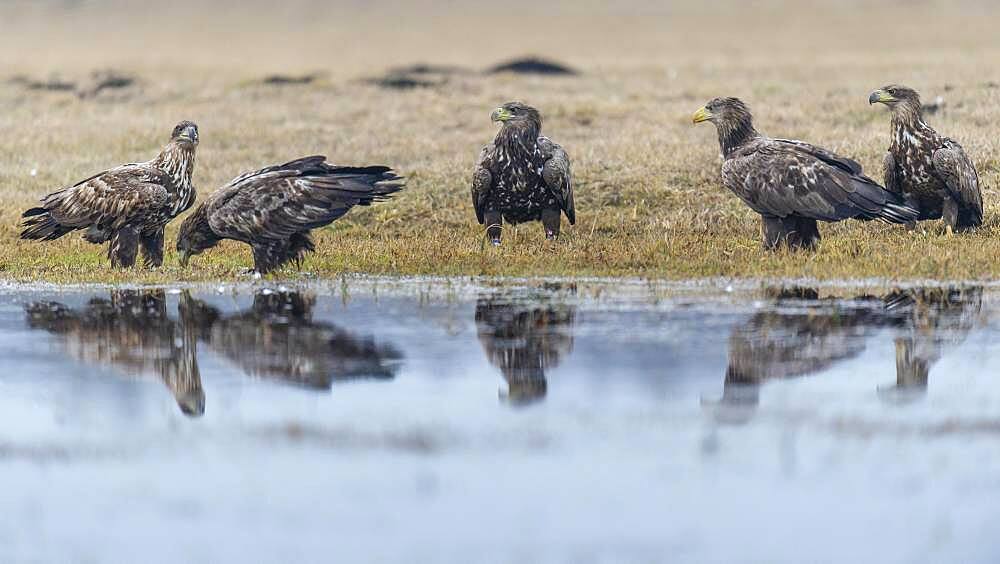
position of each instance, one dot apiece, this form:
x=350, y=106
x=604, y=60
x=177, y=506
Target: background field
x=647, y=180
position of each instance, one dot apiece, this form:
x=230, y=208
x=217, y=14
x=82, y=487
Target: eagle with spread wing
x=930, y=169
x=274, y=209
x=128, y=205
x=792, y=184
x=522, y=176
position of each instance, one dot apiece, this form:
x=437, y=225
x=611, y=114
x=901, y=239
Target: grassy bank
x=648, y=197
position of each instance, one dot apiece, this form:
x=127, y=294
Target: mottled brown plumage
x=524, y=340
x=132, y=333
x=278, y=339
x=930, y=170
x=128, y=205
x=274, y=209
x=792, y=184
x=522, y=176
x=931, y=321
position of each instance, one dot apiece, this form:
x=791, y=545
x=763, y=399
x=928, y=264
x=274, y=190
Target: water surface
x=456, y=421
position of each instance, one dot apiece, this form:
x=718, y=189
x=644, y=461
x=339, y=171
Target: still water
x=375, y=420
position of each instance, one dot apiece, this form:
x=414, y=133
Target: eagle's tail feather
x=40, y=225
x=364, y=184
x=899, y=213
x=875, y=202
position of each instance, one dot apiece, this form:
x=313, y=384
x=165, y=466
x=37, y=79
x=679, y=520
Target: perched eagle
x=792, y=184
x=524, y=341
x=273, y=209
x=128, y=205
x=522, y=176
x=932, y=171
x=277, y=339
x=132, y=333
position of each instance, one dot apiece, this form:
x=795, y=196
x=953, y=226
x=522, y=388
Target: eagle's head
x=725, y=113
x=186, y=132
x=192, y=402
x=517, y=114
x=195, y=236
x=732, y=120
x=897, y=98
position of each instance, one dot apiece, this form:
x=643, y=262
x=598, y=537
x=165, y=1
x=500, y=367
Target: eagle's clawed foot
x=948, y=230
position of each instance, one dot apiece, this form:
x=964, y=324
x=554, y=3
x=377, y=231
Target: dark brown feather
x=274, y=209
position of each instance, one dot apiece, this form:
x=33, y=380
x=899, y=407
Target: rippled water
x=450, y=421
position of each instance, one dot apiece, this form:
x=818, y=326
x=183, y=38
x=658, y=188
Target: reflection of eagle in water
x=523, y=340
x=132, y=333
x=128, y=205
x=277, y=338
x=931, y=321
x=802, y=335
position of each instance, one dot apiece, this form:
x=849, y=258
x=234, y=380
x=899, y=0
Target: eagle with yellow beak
x=522, y=176
x=927, y=168
x=792, y=184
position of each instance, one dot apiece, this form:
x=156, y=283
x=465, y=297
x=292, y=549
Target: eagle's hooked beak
x=701, y=115
x=500, y=114
x=880, y=96
x=190, y=133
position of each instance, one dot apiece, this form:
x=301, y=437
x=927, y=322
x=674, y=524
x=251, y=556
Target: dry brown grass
x=647, y=180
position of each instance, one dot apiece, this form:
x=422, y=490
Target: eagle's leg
x=298, y=245
x=269, y=255
x=795, y=232
x=773, y=229
x=124, y=247
x=949, y=213
x=805, y=234
x=494, y=226
x=550, y=221
x=152, y=248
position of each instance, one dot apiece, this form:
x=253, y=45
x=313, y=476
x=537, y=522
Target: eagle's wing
x=848, y=165
x=110, y=199
x=557, y=175
x=890, y=174
x=959, y=175
x=781, y=178
x=482, y=180
x=276, y=202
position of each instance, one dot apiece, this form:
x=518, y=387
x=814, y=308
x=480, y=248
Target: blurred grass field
x=648, y=197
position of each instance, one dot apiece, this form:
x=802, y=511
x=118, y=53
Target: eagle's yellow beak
x=880, y=96
x=500, y=114
x=701, y=115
